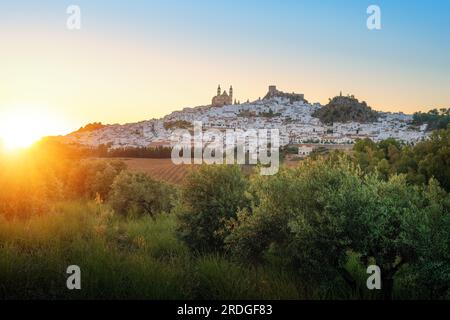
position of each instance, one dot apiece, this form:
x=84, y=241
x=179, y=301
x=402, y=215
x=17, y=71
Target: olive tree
x=138, y=194
x=210, y=197
x=317, y=214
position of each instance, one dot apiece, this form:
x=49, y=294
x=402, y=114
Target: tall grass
x=121, y=259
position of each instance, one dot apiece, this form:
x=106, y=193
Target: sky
x=138, y=60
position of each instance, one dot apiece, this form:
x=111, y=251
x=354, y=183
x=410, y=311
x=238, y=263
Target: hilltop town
x=298, y=122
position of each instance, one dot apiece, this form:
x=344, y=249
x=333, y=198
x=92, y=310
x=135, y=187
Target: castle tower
x=231, y=93
x=219, y=91
x=272, y=90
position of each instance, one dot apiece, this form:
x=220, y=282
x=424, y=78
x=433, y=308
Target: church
x=223, y=99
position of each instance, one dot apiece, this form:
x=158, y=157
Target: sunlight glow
x=20, y=127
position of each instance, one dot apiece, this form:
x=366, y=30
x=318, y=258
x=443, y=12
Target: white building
x=305, y=151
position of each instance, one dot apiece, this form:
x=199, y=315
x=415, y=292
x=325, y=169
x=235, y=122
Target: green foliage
x=435, y=119
x=273, y=202
x=427, y=159
x=115, y=263
x=299, y=215
x=28, y=188
x=138, y=194
x=430, y=237
x=22, y=199
x=238, y=281
x=433, y=157
x=178, y=124
x=210, y=197
x=120, y=258
x=90, y=178
x=346, y=109
x=308, y=232
x=313, y=217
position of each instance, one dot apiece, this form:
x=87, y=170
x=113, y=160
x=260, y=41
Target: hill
x=91, y=127
x=346, y=109
x=297, y=120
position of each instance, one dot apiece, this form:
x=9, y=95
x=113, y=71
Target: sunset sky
x=137, y=60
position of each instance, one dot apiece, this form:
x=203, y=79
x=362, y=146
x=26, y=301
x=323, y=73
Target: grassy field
x=105, y=220
x=122, y=259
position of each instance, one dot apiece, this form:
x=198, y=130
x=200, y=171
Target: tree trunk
x=350, y=282
x=387, y=279
x=387, y=287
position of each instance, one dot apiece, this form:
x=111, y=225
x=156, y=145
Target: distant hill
x=346, y=109
x=297, y=120
x=91, y=127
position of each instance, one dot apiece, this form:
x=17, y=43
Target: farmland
x=166, y=170
x=160, y=169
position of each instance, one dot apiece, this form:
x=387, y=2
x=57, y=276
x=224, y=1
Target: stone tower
x=272, y=90
x=231, y=93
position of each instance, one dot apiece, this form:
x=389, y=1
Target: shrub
x=23, y=199
x=27, y=188
x=210, y=197
x=94, y=177
x=137, y=193
x=430, y=237
x=314, y=216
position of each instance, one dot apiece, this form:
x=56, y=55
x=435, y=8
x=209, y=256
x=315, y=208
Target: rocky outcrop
x=346, y=109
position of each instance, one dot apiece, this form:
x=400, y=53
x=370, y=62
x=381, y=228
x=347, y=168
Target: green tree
x=431, y=239
x=94, y=177
x=435, y=119
x=421, y=162
x=380, y=227
x=302, y=215
x=433, y=157
x=314, y=216
x=210, y=196
x=138, y=194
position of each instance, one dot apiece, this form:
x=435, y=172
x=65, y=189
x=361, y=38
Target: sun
x=14, y=139
x=20, y=127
